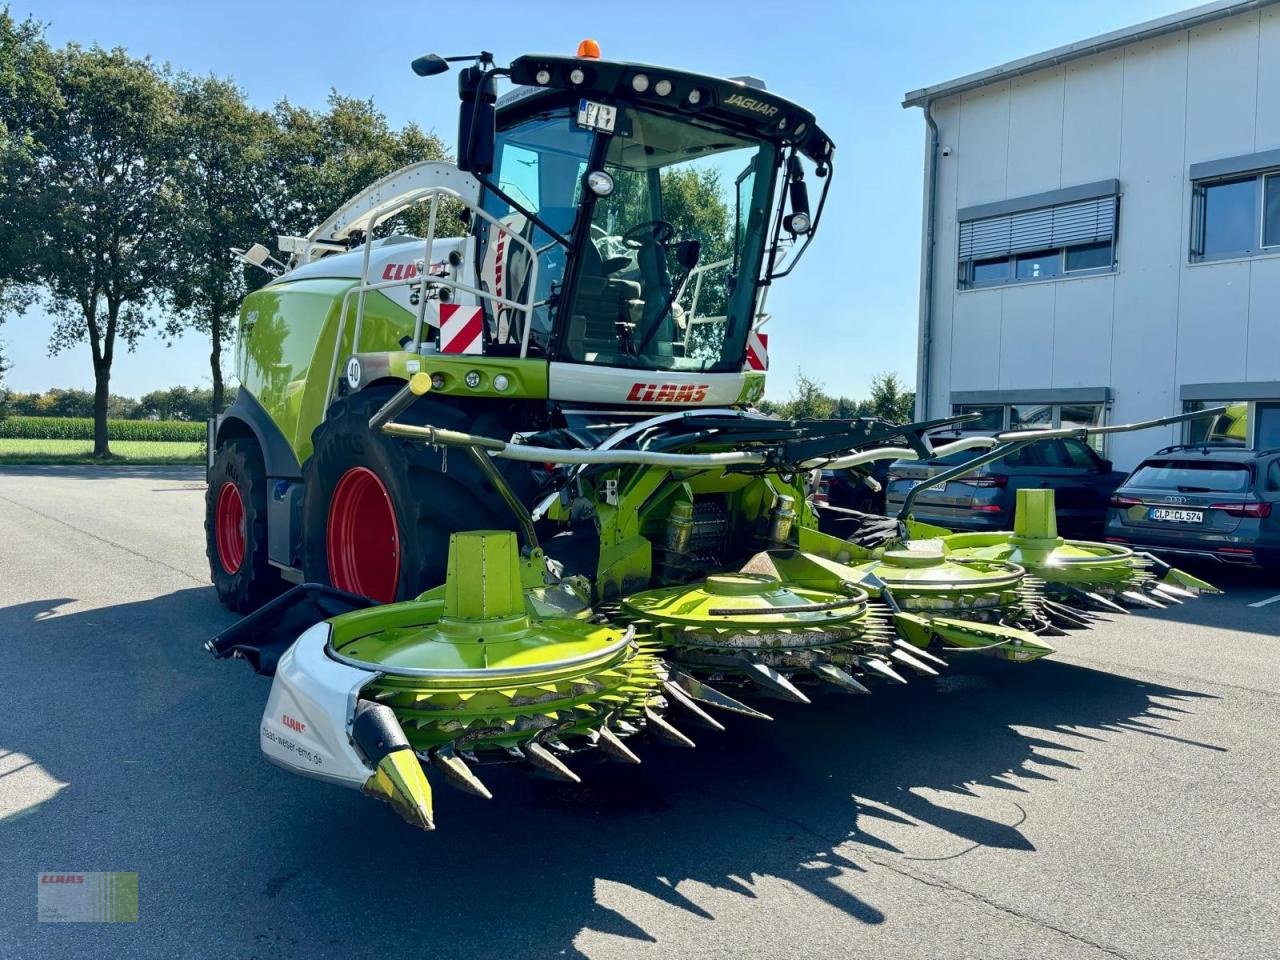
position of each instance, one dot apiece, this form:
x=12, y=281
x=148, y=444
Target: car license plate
x=1174, y=515
x=935, y=488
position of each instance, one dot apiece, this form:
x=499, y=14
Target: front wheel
x=378, y=511
x=235, y=524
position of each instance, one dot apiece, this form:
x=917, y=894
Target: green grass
x=81, y=451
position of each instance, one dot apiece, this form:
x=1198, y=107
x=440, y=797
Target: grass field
x=81, y=451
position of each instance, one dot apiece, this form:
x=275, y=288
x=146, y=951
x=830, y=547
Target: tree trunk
x=101, y=394
x=215, y=363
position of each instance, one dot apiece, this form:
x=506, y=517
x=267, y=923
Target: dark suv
x=1215, y=501
x=984, y=499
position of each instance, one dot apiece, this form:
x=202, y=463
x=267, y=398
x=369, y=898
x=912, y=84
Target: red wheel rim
x=362, y=539
x=228, y=527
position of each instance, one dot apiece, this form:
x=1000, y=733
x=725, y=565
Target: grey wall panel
x=1262, y=358
x=1222, y=83
x=1035, y=134
x=1082, y=332
x=1267, y=130
x=1026, y=335
x=1213, y=322
x=1091, y=118
x=981, y=154
x=975, y=346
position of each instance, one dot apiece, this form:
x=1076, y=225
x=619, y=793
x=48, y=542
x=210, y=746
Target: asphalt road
x=1118, y=800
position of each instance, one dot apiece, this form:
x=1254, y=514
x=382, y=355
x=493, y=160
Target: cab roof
x=733, y=103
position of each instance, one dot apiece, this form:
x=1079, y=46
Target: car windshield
x=667, y=278
x=1192, y=476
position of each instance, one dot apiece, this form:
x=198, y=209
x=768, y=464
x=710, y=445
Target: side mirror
x=798, y=221
x=1105, y=466
x=429, y=65
x=477, y=120
x=688, y=252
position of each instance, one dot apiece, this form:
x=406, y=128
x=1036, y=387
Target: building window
x=1236, y=217
x=1268, y=426
x=992, y=417
x=1022, y=241
x=1035, y=416
x=1230, y=427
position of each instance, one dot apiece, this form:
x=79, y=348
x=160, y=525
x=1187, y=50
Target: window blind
x=1064, y=225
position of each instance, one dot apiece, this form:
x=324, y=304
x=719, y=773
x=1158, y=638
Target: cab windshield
x=667, y=261
x=667, y=274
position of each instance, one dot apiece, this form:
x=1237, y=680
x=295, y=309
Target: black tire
x=248, y=584
x=433, y=493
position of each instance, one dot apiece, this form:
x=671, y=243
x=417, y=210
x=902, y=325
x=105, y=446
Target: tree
x=222, y=149
x=890, y=400
x=320, y=159
x=102, y=207
x=808, y=399
x=28, y=100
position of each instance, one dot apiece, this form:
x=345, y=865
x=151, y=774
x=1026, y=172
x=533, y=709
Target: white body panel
x=307, y=723
x=583, y=383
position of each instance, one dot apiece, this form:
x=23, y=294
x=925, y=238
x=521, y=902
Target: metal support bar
x=400, y=401
x=500, y=484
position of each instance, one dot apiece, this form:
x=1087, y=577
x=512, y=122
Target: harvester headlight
x=662, y=87
x=695, y=96
x=473, y=378
x=437, y=381
x=600, y=183
x=543, y=77
x=576, y=76
x=640, y=83
x=800, y=128
x=501, y=382
x=797, y=223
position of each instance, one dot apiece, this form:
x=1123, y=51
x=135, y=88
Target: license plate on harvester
x=1175, y=515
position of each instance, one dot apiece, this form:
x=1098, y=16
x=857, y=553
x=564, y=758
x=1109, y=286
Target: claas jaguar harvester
x=516, y=476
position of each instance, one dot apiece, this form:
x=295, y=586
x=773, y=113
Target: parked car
x=984, y=499
x=1215, y=501
x=846, y=488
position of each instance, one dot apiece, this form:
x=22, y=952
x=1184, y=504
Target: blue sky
x=849, y=309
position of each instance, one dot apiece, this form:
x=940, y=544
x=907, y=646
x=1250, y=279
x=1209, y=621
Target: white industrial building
x=1102, y=230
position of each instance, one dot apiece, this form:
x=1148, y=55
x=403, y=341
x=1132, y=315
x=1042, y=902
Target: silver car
x=1212, y=501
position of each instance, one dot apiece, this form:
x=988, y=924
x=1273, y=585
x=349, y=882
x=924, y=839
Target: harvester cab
x=600, y=251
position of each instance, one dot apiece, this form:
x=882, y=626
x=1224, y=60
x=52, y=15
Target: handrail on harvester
x=386, y=199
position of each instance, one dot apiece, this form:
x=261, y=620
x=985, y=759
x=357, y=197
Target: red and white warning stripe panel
x=461, y=328
x=757, y=350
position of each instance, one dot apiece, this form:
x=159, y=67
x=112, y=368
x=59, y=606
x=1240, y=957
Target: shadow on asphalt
x=157, y=744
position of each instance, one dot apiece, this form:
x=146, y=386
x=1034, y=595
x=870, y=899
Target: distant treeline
x=176, y=403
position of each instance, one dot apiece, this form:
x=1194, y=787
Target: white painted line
x=1269, y=600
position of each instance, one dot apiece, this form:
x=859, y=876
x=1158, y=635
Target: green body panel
x=287, y=335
